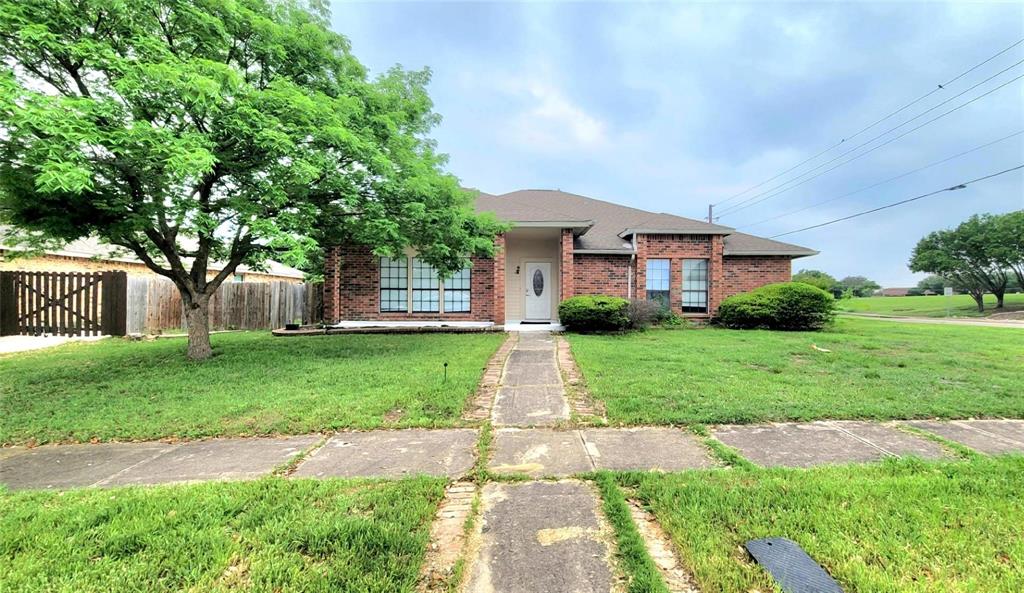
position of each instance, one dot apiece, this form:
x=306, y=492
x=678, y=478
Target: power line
x=883, y=182
x=901, y=202
x=862, y=130
x=747, y=203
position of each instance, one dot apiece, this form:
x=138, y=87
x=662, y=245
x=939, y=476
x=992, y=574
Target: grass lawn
x=876, y=369
x=903, y=526
x=929, y=306
x=255, y=384
x=269, y=535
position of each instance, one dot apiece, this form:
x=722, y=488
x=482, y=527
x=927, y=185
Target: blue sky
x=669, y=107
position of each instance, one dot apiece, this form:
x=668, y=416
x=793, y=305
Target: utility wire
x=748, y=203
x=874, y=185
x=862, y=130
x=901, y=202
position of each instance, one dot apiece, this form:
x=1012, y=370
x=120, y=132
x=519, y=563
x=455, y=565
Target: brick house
x=560, y=245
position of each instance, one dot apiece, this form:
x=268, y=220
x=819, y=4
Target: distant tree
x=859, y=286
x=819, y=279
x=933, y=283
x=966, y=256
x=194, y=132
x=1008, y=243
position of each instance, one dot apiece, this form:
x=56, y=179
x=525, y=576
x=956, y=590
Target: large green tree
x=193, y=131
x=817, y=278
x=966, y=255
x=858, y=286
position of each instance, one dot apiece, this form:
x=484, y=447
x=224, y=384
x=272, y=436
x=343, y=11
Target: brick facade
x=601, y=274
x=746, y=273
x=352, y=288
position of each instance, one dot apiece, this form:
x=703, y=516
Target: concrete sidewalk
x=978, y=322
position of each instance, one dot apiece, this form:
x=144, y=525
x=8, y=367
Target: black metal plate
x=795, y=571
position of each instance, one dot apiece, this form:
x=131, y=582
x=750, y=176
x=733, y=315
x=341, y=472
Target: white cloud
x=554, y=123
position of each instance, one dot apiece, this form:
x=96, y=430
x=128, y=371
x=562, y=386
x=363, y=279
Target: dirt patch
x=662, y=551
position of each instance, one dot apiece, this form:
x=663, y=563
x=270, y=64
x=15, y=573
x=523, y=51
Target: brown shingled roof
x=610, y=225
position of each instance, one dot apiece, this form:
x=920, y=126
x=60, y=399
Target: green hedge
x=785, y=306
x=594, y=313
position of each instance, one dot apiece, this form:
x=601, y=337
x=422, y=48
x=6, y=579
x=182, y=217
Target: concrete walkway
x=531, y=392
x=979, y=322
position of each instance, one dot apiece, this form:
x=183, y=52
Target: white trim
x=714, y=230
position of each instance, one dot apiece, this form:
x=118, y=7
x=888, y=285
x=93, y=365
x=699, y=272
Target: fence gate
x=69, y=303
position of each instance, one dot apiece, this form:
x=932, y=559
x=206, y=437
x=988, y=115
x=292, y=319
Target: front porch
x=538, y=275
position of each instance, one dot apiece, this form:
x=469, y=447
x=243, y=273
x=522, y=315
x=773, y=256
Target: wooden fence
x=68, y=303
x=154, y=305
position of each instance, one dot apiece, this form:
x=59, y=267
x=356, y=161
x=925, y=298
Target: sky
x=671, y=107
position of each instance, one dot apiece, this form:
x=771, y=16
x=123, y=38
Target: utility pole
x=711, y=212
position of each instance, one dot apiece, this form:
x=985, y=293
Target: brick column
x=332, y=284
x=568, y=284
x=498, y=302
x=716, y=274
x=640, y=288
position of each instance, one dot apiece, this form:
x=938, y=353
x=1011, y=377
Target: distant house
x=894, y=292
x=89, y=255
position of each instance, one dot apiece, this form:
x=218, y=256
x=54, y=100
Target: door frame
x=526, y=285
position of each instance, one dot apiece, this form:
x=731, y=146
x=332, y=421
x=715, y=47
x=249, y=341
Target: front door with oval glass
x=537, y=288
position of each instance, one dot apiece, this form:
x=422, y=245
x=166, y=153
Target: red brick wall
x=677, y=248
x=746, y=273
x=566, y=269
x=352, y=289
x=601, y=274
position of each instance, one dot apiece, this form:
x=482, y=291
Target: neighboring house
x=560, y=245
x=90, y=255
x=894, y=292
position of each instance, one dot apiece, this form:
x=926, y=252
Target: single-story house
x=894, y=292
x=560, y=245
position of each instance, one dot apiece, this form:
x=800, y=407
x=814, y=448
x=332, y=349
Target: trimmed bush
x=784, y=306
x=643, y=314
x=594, y=313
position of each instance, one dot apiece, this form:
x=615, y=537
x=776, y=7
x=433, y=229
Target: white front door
x=537, y=286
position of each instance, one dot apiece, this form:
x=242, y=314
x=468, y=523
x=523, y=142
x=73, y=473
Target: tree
x=933, y=283
x=859, y=285
x=966, y=256
x=188, y=132
x=817, y=278
x=1008, y=243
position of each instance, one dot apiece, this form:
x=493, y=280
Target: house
x=90, y=255
x=894, y=292
x=560, y=245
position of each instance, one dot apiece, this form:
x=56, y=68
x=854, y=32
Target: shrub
x=594, y=313
x=785, y=306
x=643, y=313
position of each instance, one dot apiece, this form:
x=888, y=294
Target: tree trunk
x=979, y=297
x=999, y=299
x=197, y=318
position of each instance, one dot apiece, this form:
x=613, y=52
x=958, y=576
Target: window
x=394, y=284
x=426, y=287
x=695, y=285
x=457, y=291
x=658, y=281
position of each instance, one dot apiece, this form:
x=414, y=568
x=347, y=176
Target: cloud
x=551, y=122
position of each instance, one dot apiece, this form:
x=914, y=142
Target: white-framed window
x=695, y=285
x=413, y=285
x=394, y=284
x=658, y=283
x=457, y=290
x=426, y=287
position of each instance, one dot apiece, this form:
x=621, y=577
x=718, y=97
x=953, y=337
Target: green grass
x=876, y=369
x=902, y=526
x=630, y=550
x=255, y=384
x=272, y=535
x=929, y=306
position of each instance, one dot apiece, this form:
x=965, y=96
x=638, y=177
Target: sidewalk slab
x=893, y=440
x=539, y=452
x=1010, y=430
x=541, y=537
x=527, y=373
x=537, y=405
x=393, y=453
x=536, y=341
x=6, y=452
x=663, y=449
x=796, y=445
x=965, y=434
x=71, y=466
x=532, y=356
x=214, y=459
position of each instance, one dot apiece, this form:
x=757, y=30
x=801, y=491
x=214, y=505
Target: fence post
x=114, y=318
x=8, y=305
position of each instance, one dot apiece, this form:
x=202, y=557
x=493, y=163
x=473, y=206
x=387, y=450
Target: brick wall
x=746, y=273
x=677, y=248
x=352, y=289
x=601, y=274
x=568, y=279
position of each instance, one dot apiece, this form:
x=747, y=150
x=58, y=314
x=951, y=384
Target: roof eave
x=604, y=251
x=714, y=230
x=792, y=254
x=579, y=227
